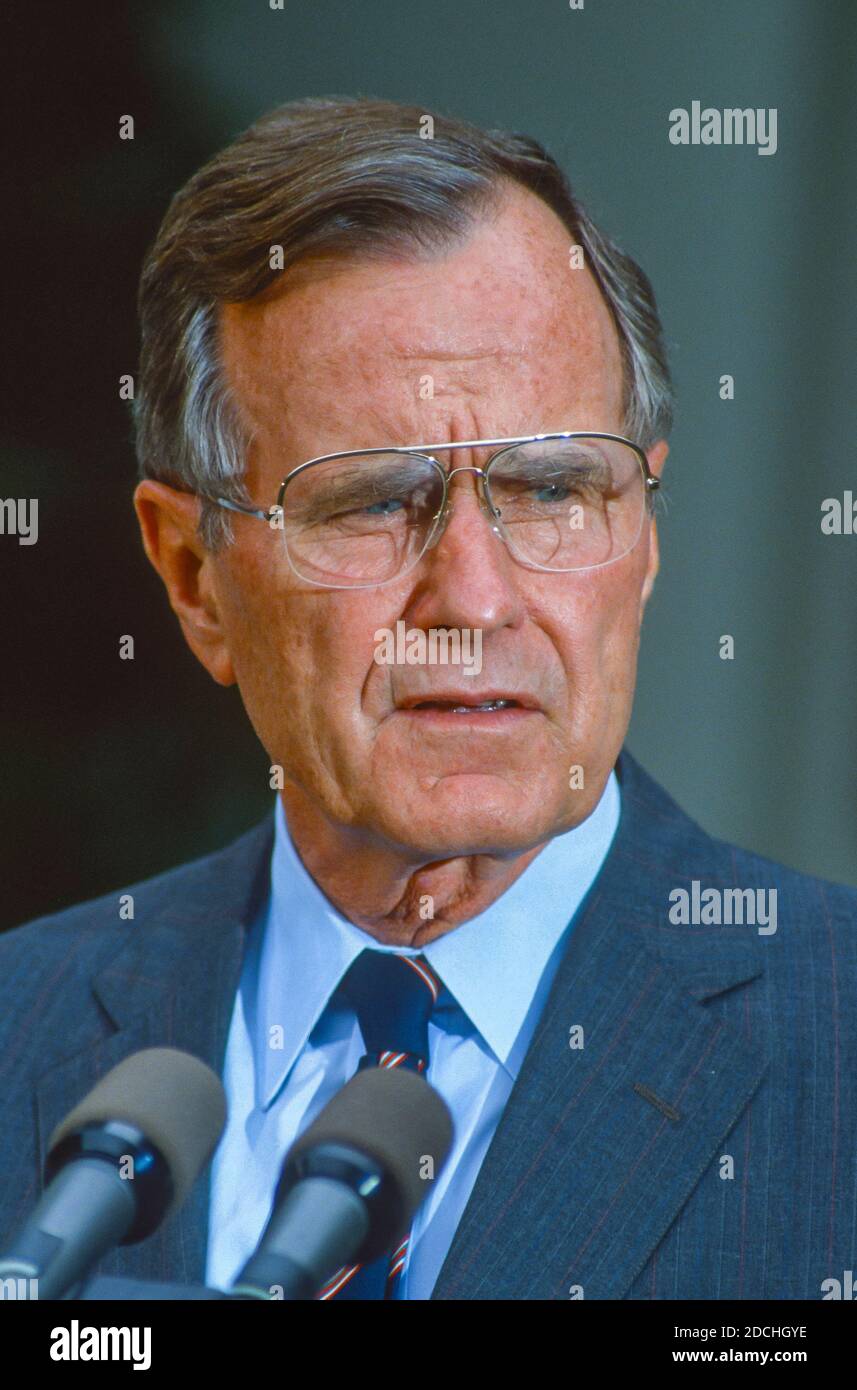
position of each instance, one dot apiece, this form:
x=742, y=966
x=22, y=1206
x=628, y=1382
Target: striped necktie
x=393, y=997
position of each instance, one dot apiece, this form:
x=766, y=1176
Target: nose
x=470, y=574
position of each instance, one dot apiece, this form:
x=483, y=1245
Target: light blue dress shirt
x=288, y=1053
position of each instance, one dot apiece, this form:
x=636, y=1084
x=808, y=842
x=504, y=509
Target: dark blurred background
x=114, y=770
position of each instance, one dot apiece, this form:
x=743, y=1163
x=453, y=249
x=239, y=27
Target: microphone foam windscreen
x=395, y=1117
x=173, y=1097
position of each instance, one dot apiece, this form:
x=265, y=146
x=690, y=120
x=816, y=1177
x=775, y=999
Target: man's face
x=515, y=342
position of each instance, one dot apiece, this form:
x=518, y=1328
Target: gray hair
x=343, y=176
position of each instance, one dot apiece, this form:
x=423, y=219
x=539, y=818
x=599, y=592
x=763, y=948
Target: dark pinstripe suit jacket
x=701, y=1144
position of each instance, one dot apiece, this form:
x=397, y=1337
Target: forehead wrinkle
x=437, y=354
x=369, y=424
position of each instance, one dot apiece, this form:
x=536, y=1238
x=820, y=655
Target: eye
x=551, y=492
x=385, y=507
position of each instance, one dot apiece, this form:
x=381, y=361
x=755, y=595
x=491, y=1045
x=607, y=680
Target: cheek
x=315, y=650
x=595, y=626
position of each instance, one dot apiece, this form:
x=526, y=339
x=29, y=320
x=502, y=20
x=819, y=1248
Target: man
x=395, y=384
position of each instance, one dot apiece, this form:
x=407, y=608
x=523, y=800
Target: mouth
x=495, y=709
x=447, y=706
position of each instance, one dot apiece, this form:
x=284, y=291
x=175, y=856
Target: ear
x=657, y=457
x=168, y=525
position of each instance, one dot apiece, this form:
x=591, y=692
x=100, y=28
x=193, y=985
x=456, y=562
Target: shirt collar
x=493, y=964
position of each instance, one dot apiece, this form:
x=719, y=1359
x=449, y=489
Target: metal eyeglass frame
x=426, y=452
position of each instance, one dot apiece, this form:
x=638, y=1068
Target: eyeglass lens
x=559, y=504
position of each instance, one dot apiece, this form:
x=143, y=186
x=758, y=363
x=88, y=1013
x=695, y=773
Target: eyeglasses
x=364, y=517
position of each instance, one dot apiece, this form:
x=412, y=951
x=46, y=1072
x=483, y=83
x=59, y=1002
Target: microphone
x=349, y=1185
x=118, y=1164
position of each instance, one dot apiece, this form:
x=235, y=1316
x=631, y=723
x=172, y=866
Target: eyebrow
x=351, y=486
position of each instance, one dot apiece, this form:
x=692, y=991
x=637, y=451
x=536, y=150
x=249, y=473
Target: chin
x=486, y=816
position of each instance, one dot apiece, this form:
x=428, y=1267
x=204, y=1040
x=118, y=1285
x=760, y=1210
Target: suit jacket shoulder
x=47, y=964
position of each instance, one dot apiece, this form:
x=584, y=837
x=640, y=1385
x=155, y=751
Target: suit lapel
x=172, y=983
x=600, y=1146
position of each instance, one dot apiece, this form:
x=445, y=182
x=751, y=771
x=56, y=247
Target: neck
x=397, y=897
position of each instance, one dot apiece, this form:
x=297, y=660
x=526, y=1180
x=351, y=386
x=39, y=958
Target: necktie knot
x=393, y=997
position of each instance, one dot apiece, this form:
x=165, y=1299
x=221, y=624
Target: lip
x=422, y=710
x=524, y=703
x=486, y=721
